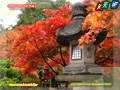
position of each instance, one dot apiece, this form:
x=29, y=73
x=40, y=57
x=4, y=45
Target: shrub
x=8, y=75
x=12, y=74
x=30, y=80
x=3, y=68
x=4, y=83
x=34, y=75
x=17, y=69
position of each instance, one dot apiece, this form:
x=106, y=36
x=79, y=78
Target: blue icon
x=114, y=4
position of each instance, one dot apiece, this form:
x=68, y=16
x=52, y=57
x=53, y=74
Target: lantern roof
x=73, y=29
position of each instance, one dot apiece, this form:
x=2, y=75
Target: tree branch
x=95, y=49
x=99, y=46
x=48, y=64
x=104, y=60
x=111, y=37
x=57, y=62
x=108, y=59
x=62, y=58
x=44, y=58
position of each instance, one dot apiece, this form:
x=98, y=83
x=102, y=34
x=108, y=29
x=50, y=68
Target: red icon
x=97, y=8
x=21, y=5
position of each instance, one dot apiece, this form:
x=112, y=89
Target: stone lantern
x=82, y=61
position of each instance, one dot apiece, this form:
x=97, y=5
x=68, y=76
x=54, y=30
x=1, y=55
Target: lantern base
x=82, y=68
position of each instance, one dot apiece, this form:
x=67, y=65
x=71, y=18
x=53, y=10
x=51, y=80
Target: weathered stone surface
x=78, y=9
x=84, y=78
x=87, y=56
x=82, y=68
x=71, y=31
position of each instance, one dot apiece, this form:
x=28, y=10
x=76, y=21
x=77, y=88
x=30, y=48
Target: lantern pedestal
x=82, y=67
x=83, y=80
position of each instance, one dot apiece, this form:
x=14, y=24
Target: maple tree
x=36, y=44
x=101, y=21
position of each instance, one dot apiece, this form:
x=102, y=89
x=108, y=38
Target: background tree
x=31, y=15
x=6, y=41
x=2, y=28
x=62, y=2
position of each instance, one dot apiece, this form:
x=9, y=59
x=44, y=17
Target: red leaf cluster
x=37, y=42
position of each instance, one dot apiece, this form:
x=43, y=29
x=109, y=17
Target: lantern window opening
x=76, y=52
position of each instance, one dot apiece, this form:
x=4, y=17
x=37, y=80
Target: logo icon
x=114, y=4
x=107, y=5
x=98, y=7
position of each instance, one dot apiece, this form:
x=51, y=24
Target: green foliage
x=31, y=15
x=31, y=80
x=54, y=82
x=3, y=68
x=61, y=2
x=40, y=3
x=3, y=63
x=8, y=75
x=13, y=81
x=12, y=73
x=7, y=63
x=3, y=83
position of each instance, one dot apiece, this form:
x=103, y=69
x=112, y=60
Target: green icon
x=105, y=4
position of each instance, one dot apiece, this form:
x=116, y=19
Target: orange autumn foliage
x=6, y=41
